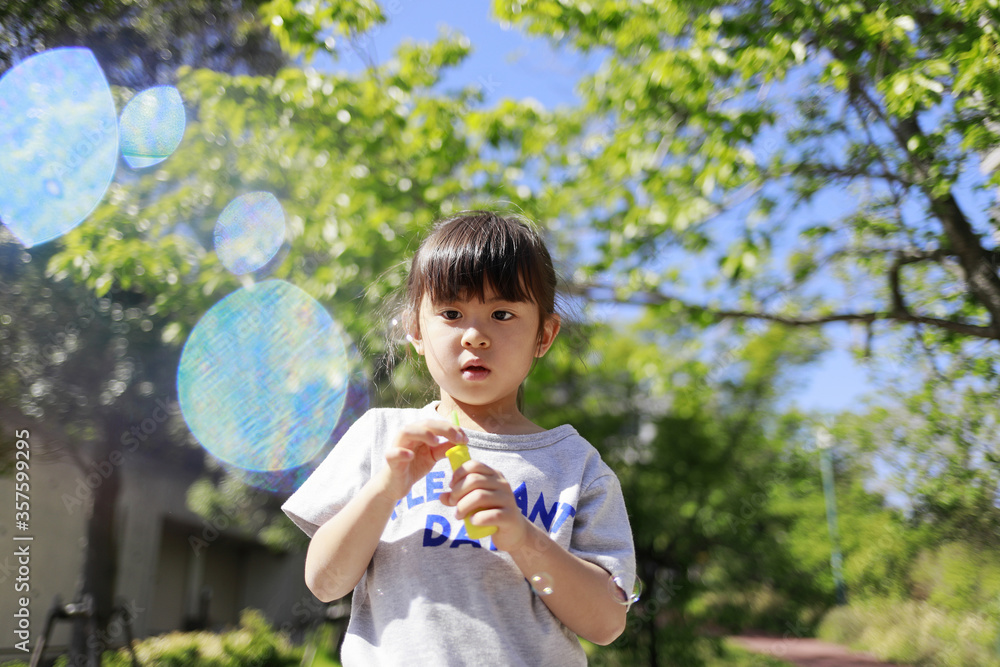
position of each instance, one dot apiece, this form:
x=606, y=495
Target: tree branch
x=608, y=294
x=904, y=258
x=849, y=173
x=980, y=275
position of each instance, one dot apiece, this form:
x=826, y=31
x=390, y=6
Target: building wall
x=57, y=529
x=162, y=571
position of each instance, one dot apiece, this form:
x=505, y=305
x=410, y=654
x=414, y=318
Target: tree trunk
x=100, y=563
x=654, y=654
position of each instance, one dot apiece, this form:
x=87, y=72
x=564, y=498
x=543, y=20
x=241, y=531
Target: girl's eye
x=503, y=315
x=451, y=314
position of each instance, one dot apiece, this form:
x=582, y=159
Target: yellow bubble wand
x=458, y=455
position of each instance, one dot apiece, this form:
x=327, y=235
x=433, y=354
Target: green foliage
x=782, y=143
x=361, y=166
x=924, y=586
x=721, y=496
x=879, y=547
x=958, y=577
x=141, y=43
x=941, y=442
x=232, y=505
x=915, y=633
x=305, y=28
x=254, y=642
x=321, y=647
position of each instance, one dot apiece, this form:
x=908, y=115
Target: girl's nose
x=474, y=338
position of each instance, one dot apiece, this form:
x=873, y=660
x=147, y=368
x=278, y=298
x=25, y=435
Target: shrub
x=759, y=608
x=253, y=644
x=959, y=577
x=914, y=632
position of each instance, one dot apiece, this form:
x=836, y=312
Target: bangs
x=467, y=256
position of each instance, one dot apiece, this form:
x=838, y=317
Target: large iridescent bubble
x=263, y=377
x=58, y=143
x=356, y=403
x=249, y=232
x=151, y=126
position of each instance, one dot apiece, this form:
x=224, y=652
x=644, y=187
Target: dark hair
x=468, y=253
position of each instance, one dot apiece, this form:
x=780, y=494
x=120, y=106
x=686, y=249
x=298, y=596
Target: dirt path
x=808, y=652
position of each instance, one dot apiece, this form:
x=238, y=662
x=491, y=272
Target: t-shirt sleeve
x=601, y=530
x=338, y=478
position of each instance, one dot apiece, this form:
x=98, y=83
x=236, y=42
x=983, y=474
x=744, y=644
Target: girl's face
x=479, y=353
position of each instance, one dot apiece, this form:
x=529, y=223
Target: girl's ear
x=412, y=328
x=548, y=336
x=418, y=344
x=416, y=341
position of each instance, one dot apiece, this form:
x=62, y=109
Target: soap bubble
x=541, y=583
x=356, y=403
x=249, y=232
x=622, y=592
x=151, y=126
x=58, y=143
x=263, y=377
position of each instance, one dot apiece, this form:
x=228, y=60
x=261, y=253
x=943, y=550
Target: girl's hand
x=478, y=488
x=414, y=452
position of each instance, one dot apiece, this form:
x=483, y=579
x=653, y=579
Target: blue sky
x=509, y=64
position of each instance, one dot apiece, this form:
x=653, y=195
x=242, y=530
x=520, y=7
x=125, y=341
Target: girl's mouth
x=475, y=373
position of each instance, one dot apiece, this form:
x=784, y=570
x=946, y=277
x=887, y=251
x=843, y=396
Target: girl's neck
x=501, y=420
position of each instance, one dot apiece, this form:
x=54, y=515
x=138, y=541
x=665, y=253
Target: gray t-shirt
x=431, y=595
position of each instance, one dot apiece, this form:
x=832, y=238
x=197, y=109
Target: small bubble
x=151, y=126
x=541, y=583
x=618, y=590
x=249, y=232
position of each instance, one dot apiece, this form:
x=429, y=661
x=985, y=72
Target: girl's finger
x=474, y=474
x=477, y=499
x=475, y=467
x=429, y=433
x=399, y=454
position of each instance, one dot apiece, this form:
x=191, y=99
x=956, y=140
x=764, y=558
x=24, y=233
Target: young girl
x=385, y=512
